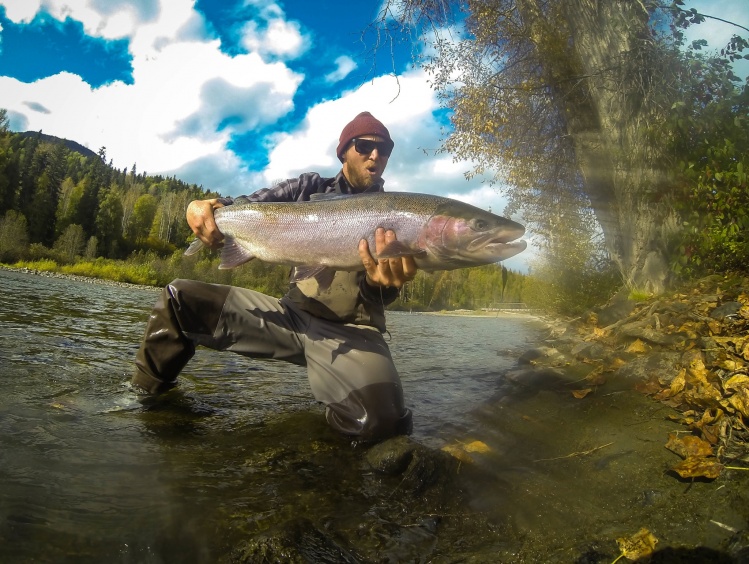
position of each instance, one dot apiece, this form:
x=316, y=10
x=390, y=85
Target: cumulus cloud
x=276, y=38
x=186, y=100
x=344, y=66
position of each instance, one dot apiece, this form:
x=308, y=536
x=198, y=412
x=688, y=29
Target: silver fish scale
x=326, y=231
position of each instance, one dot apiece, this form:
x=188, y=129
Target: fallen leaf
x=736, y=382
x=678, y=383
x=698, y=467
x=456, y=452
x=580, y=394
x=477, y=446
x=688, y=446
x=462, y=451
x=639, y=545
x=596, y=377
x=740, y=402
x=637, y=347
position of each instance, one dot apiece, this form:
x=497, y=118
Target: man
x=335, y=331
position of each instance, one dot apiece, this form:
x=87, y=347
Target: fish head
x=461, y=235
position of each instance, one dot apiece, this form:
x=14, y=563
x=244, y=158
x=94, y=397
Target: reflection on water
x=87, y=475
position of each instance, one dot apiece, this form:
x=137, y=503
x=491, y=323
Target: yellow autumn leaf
x=698, y=467
x=477, y=446
x=637, y=346
x=678, y=383
x=639, y=545
x=736, y=382
x=456, y=452
x=740, y=402
x=580, y=394
x=462, y=451
x=688, y=446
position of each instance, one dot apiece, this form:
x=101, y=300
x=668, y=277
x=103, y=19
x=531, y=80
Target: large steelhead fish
x=324, y=233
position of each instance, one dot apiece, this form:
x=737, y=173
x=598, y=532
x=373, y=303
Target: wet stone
x=728, y=309
x=392, y=456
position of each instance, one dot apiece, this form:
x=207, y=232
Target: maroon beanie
x=363, y=124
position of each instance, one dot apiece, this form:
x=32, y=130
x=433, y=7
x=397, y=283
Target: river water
x=88, y=475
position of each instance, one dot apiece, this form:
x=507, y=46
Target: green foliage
x=708, y=137
x=13, y=236
x=70, y=244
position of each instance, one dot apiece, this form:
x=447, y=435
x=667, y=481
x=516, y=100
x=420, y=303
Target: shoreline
x=104, y=281
x=76, y=277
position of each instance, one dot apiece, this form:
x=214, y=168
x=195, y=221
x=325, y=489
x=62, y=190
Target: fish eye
x=480, y=224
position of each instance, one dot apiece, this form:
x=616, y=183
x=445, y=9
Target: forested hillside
x=62, y=210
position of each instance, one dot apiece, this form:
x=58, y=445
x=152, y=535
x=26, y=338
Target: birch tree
x=559, y=100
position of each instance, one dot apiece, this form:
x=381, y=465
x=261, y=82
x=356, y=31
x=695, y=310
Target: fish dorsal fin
x=242, y=200
x=396, y=249
x=322, y=274
x=232, y=254
x=318, y=196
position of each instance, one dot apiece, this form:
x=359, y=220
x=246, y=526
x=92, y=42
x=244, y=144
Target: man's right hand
x=200, y=219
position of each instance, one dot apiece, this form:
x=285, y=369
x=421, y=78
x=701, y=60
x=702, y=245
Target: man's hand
x=200, y=219
x=386, y=272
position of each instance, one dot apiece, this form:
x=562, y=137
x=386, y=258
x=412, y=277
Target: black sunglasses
x=366, y=146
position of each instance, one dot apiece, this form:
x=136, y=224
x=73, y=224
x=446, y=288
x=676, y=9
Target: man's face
x=364, y=170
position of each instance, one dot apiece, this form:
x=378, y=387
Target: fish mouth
x=499, y=247
x=491, y=240
x=506, y=250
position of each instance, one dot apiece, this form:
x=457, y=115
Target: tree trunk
x=603, y=92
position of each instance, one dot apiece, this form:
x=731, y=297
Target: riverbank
x=77, y=278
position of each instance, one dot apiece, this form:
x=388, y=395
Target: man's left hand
x=386, y=272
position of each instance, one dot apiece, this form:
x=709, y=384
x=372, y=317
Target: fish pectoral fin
x=322, y=274
x=233, y=254
x=194, y=247
x=397, y=249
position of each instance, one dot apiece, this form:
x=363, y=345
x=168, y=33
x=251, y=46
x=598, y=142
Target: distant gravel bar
x=76, y=277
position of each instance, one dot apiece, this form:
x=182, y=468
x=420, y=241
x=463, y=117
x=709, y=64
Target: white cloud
x=344, y=66
x=21, y=11
x=180, y=87
x=277, y=38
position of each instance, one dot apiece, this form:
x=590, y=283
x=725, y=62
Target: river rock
x=728, y=309
x=392, y=456
x=663, y=365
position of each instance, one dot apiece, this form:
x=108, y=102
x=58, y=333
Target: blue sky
x=234, y=94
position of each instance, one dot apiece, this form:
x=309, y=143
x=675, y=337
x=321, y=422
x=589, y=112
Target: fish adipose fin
x=396, y=249
x=232, y=254
x=322, y=274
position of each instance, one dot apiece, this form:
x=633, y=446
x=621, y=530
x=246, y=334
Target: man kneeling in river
x=336, y=331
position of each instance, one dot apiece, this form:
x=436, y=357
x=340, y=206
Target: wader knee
x=373, y=413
